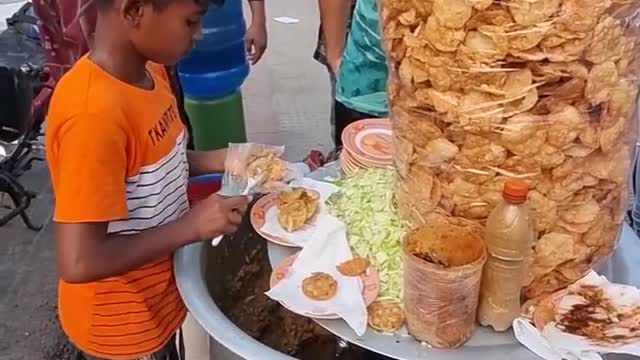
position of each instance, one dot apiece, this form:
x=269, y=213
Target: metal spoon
x=252, y=182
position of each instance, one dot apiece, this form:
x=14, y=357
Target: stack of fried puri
x=540, y=90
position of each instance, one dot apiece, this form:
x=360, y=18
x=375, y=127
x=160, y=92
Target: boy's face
x=164, y=35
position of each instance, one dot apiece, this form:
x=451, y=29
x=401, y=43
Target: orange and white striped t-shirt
x=117, y=154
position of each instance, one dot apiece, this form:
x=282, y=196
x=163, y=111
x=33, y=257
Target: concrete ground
x=286, y=102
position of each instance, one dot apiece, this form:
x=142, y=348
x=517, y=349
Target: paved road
x=29, y=329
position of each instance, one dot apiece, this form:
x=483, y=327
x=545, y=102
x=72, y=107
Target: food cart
x=480, y=92
x=199, y=267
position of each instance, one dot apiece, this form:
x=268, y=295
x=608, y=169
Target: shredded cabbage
x=364, y=203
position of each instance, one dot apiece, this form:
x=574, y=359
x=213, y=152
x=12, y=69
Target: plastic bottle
x=509, y=237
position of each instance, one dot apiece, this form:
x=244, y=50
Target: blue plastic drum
x=218, y=65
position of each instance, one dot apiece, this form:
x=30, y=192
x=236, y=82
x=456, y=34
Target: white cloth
x=323, y=253
x=301, y=237
x=554, y=344
x=532, y=339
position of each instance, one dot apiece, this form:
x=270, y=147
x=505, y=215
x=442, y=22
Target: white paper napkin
x=323, y=253
x=286, y=20
x=296, y=171
x=532, y=339
x=324, y=188
x=554, y=344
x=301, y=237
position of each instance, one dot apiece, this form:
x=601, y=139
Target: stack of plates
x=366, y=144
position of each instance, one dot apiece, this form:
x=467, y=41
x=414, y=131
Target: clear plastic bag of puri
x=541, y=90
x=257, y=161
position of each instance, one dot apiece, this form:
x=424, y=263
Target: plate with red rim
x=348, y=172
x=350, y=163
x=347, y=168
x=353, y=161
x=364, y=165
x=370, y=285
x=259, y=212
x=369, y=141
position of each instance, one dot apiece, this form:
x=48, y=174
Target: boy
x=119, y=167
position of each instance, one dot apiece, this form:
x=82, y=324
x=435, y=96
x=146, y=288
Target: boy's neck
x=117, y=56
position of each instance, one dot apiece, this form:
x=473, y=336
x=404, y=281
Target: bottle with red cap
x=509, y=237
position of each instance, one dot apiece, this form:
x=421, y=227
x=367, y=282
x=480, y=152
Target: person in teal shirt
x=361, y=84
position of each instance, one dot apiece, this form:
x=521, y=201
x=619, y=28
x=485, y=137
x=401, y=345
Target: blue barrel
x=218, y=65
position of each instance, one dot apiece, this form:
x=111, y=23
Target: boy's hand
x=216, y=215
x=256, y=41
x=334, y=64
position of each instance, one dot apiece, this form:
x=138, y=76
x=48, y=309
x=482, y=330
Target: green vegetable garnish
x=364, y=203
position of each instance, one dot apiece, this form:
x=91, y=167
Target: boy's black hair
x=160, y=4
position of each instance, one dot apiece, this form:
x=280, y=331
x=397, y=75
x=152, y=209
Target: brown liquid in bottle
x=509, y=237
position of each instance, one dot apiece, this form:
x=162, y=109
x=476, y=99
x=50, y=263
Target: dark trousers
x=171, y=351
x=343, y=117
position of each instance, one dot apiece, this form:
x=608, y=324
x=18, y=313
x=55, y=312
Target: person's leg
x=332, y=115
x=343, y=117
x=173, y=350
x=83, y=356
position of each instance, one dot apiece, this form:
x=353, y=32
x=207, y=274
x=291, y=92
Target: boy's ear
x=131, y=11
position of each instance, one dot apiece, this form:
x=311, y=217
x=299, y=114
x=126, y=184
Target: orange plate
x=347, y=161
x=370, y=284
x=347, y=168
x=369, y=141
x=360, y=163
x=354, y=162
x=258, y=214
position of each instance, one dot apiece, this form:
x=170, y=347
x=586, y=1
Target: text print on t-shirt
x=162, y=127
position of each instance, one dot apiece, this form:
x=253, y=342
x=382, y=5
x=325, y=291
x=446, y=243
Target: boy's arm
x=334, y=16
x=257, y=31
x=206, y=162
x=87, y=253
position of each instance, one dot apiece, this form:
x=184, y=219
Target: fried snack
x=320, y=286
x=354, y=267
x=296, y=207
x=446, y=245
x=440, y=301
x=386, y=316
x=266, y=162
x=539, y=90
x=544, y=314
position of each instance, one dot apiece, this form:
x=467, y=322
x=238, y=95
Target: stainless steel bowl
x=200, y=270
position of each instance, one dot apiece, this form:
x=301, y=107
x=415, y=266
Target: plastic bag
x=541, y=90
x=251, y=160
x=440, y=301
